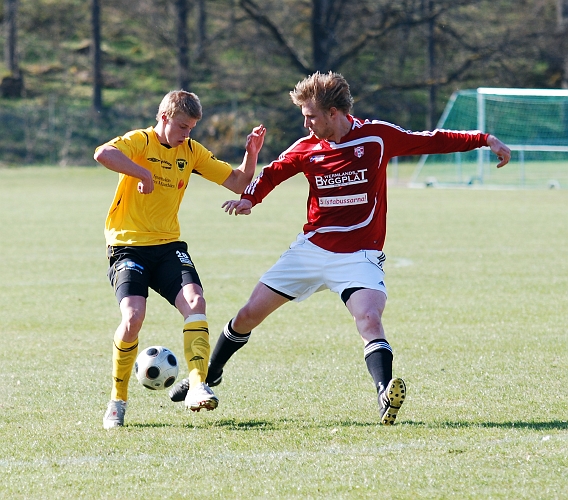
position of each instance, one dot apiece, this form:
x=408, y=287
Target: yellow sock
x=196, y=347
x=123, y=358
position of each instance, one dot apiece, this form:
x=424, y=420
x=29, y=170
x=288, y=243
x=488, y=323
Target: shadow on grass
x=286, y=423
x=224, y=423
x=152, y=425
x=537, y=426
x=296, y=423
x=253, y=425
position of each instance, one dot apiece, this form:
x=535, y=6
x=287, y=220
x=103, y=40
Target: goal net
x=532, y=122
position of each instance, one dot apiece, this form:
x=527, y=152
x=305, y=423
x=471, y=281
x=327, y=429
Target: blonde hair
x=326, y=91
x=180, y=101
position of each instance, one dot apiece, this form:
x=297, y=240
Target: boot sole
x=396, y=392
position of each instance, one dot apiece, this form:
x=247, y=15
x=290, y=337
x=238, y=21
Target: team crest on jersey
x=181, y=164
x=359, y=151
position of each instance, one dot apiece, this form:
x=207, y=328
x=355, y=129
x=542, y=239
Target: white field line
x=278, y=455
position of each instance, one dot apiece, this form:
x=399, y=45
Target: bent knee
x=197, y=302
x=246, y=319
x=369, y=318
x=132, y=319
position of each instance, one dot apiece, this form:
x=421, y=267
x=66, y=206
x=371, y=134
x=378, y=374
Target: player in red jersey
x=340, y=248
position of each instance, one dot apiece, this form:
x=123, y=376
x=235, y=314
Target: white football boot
x=114, y=416
x=201, y=396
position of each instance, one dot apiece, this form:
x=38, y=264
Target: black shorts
x=163, y=268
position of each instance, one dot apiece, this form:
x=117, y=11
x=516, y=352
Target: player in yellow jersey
x=143, y=237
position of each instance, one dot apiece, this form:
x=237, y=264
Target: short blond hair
x=180, y=101
x=326, y=91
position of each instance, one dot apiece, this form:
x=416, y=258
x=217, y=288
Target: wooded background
x=78, y=72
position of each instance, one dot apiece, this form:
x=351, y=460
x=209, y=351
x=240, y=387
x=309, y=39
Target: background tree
x=562, y=30
x=13, y=84
x=182, y=43
x=201, y=30
x=96, y=56
x=431, y=69
x=403, y=60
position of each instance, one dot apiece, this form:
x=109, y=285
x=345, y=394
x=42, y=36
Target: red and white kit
x=347, y=202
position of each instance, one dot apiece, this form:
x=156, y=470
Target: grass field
x=477, y=316
x=526, y=174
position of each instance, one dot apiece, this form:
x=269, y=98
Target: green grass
x=528, y=174
x=477, y=315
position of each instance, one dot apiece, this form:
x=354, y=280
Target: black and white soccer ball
x=156, y=368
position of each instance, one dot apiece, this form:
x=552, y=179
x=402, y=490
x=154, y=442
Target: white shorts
x=306, y=268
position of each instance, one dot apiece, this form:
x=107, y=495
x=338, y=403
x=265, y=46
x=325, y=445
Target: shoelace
x=205, y=388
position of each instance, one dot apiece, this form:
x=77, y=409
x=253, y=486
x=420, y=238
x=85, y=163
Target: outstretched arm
x=500, y=149
x=240, y=207
x=240, y=177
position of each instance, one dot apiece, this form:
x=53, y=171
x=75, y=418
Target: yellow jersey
x=136, y=219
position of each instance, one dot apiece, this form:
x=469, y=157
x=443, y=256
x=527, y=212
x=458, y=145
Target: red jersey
x=347, y=201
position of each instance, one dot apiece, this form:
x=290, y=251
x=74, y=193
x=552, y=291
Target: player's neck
x=159, y=131
x=341, y=129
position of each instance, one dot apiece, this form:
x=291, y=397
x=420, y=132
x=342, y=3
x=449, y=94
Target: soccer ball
x=156, y=368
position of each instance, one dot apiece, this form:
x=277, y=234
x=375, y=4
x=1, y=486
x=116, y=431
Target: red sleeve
x=270, y=176
x=406, y=143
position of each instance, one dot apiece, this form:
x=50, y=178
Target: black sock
x=229, y=343
x=378, y=356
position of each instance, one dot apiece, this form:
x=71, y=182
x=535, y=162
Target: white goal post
x=532, y=122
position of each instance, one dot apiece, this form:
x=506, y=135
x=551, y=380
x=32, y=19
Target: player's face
x=178, y=128
x=318, y=121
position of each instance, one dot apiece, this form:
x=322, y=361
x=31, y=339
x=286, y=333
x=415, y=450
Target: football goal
x=532, y=122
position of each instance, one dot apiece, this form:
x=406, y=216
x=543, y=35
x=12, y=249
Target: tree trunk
x=96, y=56
x=432, y=72
x=10, y=20
x=320, y=35
x=201, y=30
x=13, y=84
x=562, y=11
x=182, y=45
